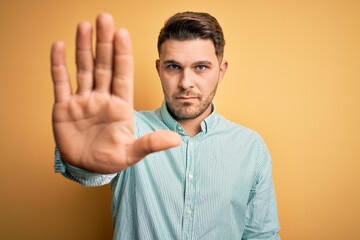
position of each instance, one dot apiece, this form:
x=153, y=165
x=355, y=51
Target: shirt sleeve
x=262, y=220
x=79, y=175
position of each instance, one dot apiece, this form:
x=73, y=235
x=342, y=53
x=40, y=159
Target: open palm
x=94, y=127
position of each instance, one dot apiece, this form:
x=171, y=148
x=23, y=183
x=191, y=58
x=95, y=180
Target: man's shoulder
x=144, y=114
x=236, y=130
x=148, y=119
x=229, y=124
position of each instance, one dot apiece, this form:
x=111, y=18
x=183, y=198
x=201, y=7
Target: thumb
x=154, y=142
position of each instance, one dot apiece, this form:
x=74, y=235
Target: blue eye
x=201, y=67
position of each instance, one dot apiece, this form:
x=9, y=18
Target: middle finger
x=104, y=52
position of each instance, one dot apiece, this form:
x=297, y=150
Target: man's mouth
x=186, y=97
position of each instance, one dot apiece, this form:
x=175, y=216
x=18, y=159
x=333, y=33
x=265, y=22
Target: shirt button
x=188, y=212
x=191, y=176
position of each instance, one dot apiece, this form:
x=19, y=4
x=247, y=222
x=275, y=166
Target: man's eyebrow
x=202, y=63
x=170, y=61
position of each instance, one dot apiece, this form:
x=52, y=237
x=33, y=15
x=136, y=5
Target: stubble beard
x=187, y=110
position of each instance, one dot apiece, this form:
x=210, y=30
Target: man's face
x=189, y=72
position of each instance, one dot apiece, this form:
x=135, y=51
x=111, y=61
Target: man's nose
x=187, y=79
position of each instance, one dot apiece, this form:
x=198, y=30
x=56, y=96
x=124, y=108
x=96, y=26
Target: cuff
x=80, y=175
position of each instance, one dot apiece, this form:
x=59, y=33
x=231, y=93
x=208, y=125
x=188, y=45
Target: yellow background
x=294, y=76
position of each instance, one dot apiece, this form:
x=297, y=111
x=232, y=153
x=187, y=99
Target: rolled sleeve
x=262, y=220
x=80, y=175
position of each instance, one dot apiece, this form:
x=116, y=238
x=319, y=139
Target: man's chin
x=186, y=114
x=185, y=110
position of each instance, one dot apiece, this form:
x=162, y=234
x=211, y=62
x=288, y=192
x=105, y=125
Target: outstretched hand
x=94, y=127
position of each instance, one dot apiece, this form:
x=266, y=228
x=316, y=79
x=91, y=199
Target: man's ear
x=223, y=68
x=157, y=65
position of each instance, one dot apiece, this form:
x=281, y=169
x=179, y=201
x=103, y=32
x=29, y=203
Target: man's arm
x=261, y=217
x=94, y=127
x=79, y=175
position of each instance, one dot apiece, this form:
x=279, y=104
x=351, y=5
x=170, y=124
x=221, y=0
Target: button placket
x=190, y=196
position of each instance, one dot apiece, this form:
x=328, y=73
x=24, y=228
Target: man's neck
x=193, y=126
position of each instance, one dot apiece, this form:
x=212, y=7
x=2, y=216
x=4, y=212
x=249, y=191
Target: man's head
x=190, y=65
x=190, y=26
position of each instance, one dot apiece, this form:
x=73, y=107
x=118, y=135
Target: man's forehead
x=188, y=50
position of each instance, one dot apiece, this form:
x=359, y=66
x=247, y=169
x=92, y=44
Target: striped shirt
x=215, y=185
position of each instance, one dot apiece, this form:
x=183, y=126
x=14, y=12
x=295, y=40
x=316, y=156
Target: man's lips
x=186, y=97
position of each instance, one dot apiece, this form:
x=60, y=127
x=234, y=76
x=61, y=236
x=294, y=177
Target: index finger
x=123, y=78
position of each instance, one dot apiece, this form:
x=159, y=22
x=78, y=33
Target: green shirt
x=215, y=185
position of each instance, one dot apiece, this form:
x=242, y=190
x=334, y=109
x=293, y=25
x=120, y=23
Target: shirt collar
x=206, y=125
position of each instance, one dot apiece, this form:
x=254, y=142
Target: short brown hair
x=193, y=25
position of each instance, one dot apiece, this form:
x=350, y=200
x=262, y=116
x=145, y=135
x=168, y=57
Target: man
x=180, y=172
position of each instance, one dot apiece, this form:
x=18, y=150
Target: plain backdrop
x=294, y=76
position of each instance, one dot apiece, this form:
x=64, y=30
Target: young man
x=180, y=172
